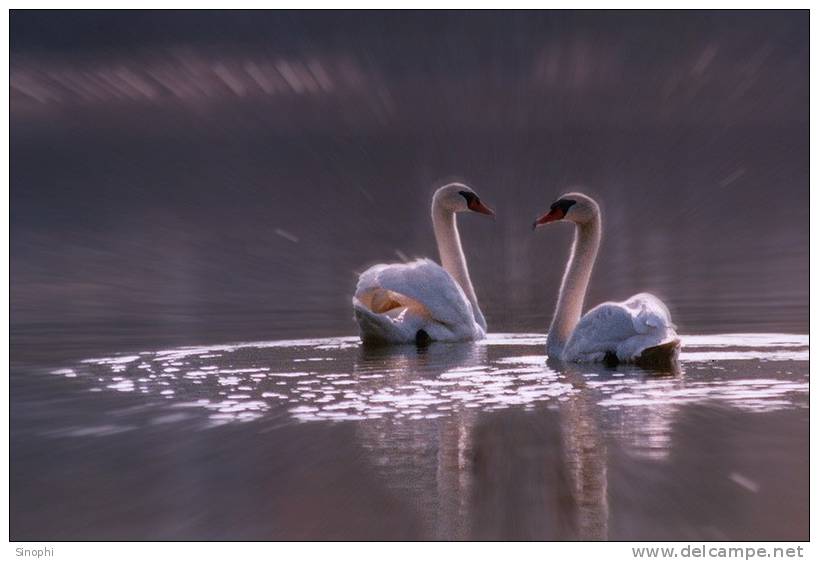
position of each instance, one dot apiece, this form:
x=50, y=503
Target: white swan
x=638, y=330
x=421, y=301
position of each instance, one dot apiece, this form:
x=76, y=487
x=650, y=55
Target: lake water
x=182, y=182
x=325, y=439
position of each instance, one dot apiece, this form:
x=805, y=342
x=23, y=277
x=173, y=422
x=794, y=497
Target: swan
x=422, y=301
x=638, y=330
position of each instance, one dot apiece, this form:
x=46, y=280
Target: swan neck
x=453, y=261
x=574, y=285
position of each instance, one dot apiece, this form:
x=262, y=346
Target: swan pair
x=422, y=301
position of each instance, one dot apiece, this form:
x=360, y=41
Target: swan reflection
x=467, y=467
x=485, y=439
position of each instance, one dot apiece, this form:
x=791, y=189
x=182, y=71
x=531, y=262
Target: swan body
x=422, y=301
x=638, y=330
x=392, y=303
x=620, y=330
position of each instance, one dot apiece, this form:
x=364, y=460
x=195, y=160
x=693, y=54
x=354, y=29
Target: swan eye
x=473, y=203
x=563, y=204
x=471, y=198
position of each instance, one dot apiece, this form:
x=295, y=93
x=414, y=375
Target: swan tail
x=660, y=356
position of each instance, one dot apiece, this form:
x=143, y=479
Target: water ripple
x=336, y=379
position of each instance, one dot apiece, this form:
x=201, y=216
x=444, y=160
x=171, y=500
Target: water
x=323, y=438
x=183, y=182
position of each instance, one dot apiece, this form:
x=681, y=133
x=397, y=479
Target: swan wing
x=399, y=299
x=625, y=329
x=648, y=313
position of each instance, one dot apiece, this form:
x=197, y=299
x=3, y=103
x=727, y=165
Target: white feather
x=393, y=302
x=622, y=328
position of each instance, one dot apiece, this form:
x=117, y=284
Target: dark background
x=206, y=176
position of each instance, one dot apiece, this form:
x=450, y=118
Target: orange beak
x=552, y=216
x=476, y=205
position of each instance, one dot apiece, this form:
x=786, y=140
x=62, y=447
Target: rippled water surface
x=325, y=438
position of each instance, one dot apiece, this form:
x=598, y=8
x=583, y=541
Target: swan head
x=457, y=197
x=572, y=207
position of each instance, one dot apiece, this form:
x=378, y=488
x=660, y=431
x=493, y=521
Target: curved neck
x=574, y=285
x=452, y=255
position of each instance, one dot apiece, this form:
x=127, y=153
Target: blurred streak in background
x=203, y=176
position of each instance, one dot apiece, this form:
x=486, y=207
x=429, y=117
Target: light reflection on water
x=474, y=441
x=335, y=379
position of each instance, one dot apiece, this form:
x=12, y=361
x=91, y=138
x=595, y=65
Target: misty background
x=190, y=177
